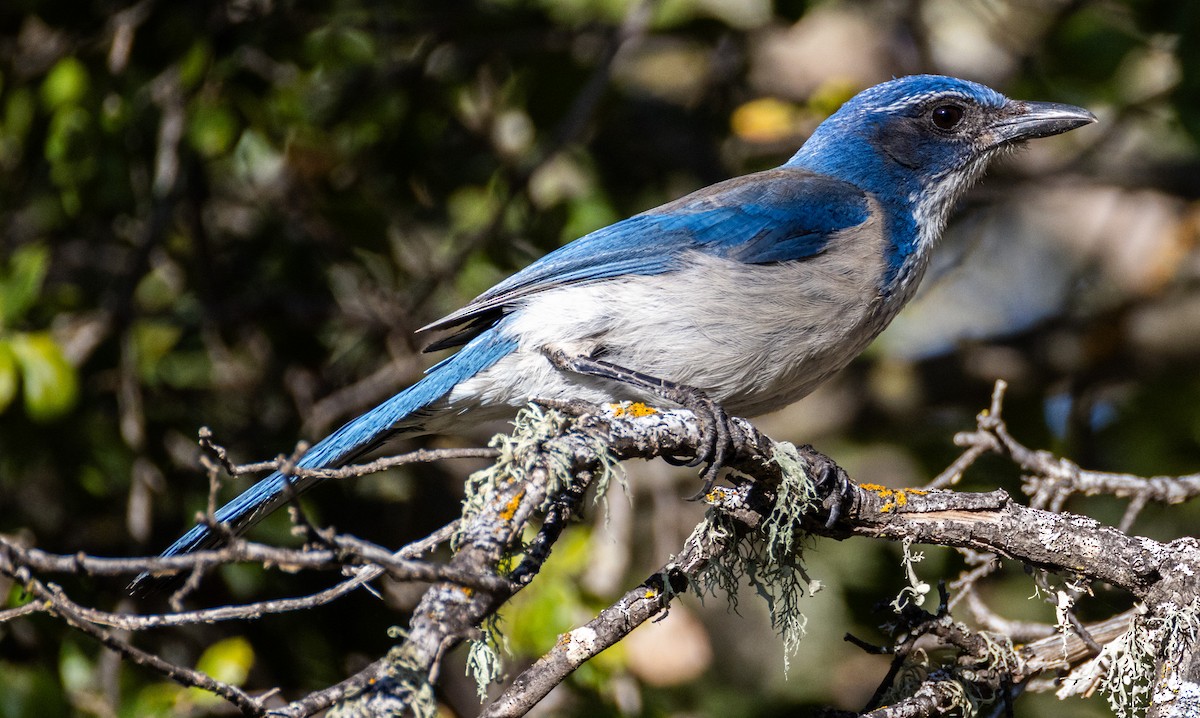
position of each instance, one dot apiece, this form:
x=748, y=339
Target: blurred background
x=234, y=214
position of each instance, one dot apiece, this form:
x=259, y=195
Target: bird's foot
x=716, y=441
x=716, y=437
x=832, y=483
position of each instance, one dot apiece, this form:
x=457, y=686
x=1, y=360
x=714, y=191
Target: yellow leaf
x=228, y=661
x=49, y=381
x=765, y=120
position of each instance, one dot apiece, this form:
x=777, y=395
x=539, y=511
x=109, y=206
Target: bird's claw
x=716, y=439
x=833, y=483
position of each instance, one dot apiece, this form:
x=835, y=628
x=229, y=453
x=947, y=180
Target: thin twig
x=57, y=603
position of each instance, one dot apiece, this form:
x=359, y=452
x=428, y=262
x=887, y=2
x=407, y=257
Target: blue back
x=779, y=215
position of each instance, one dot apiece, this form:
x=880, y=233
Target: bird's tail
x=402, y=412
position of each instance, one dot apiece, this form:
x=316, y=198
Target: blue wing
x=779, y=215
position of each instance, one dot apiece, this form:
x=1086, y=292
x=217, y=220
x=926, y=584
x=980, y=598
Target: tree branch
x=542, y=473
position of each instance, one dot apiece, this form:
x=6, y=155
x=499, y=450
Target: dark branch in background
x=540, y=480
x=55, y=602
x=1051, y=480
x=369, y=390
x=573, y=124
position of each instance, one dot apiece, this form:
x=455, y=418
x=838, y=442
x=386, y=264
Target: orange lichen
x=898, y=498
x=633, y=410
x=514, y=503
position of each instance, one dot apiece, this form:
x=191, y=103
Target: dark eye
x=946, y=117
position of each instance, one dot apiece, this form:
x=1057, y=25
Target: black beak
x=1030, y=120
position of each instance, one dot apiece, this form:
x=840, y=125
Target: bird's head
x=918, y=142
x=927, y=129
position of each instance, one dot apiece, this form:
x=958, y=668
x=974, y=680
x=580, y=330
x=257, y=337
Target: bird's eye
x=946, y=117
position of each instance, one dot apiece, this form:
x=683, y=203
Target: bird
x=737, y=299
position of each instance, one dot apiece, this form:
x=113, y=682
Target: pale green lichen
x=916, y=590
x=413, y=681
x=770, y=559
x=484, y=663
x=1001, y=656
x=528, y=448
x=998, y=659
x=408, y=690
x=1125, y=668
x=957, y=690
x=795, y=496
x=964, y=696
x=532, y=427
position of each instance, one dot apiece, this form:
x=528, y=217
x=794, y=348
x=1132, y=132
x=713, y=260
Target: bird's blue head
x=916, y=143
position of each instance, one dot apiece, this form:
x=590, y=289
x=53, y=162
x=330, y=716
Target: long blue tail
x=357, y=437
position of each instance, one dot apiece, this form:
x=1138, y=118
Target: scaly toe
x=841, y=493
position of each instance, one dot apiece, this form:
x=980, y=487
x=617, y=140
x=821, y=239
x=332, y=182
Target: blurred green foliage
x=32, y=361
x=234, y=214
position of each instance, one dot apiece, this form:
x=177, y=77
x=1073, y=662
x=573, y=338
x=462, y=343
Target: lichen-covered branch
x=778, y=494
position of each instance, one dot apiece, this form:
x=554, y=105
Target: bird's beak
x=1030, y=120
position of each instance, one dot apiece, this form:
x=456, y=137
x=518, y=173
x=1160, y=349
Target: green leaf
x=8, y=376
x=255, y=159
x=21, y=284
x=28, y=690
x=333, y=47
x=70, y=147
x=540, y=613
x=194, y=64
x=587, y=214
x=153, y=340
x=19, y=111
x=212, y=129
x=48, y=379
x=186, y=370
x=157, y=700
x=471, y=208
x=17, y=596
x=65, y=84
x=355, y=45
x=158, y=290
x=76, y=671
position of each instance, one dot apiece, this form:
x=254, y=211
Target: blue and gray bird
x=741, y=297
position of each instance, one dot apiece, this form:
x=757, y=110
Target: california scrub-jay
x=739, y=297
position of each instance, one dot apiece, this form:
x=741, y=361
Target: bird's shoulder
x=778, y=215
x=792, y=194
